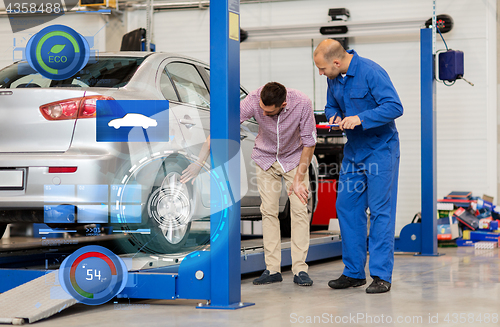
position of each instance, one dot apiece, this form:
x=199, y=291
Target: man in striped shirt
x=283, y=149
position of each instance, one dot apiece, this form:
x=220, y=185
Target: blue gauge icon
x=93, y=275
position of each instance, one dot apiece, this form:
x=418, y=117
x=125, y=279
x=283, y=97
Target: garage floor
x=460, y=288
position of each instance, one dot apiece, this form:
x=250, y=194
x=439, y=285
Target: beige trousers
x=269, y=183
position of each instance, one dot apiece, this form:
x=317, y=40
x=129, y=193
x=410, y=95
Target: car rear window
x=110, y=72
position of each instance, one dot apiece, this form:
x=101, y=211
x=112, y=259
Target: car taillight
x=72, y=108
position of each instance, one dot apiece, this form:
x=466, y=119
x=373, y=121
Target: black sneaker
x=302, y=279
x=267, y=278
x=378, y=286
x=344, y=282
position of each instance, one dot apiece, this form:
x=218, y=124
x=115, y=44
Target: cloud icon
x=133, y=120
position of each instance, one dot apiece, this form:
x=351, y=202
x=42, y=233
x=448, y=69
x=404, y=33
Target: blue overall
x=369, y=174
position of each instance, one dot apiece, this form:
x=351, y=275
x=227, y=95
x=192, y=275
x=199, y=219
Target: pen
x=334, y=116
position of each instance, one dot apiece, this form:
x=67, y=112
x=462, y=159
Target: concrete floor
x=460, y=288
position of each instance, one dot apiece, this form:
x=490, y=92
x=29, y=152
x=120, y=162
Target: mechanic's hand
x=349, y=122
x=191, y=172
x=300, y=190
x=337, y=121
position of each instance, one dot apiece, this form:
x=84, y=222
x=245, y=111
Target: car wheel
x=166, y=212
x=3, y=227
x=285, y=216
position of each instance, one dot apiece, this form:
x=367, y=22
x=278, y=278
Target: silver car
x=58, y=167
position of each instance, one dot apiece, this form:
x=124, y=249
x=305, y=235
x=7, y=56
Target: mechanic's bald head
x=330, y=49
x=331, y=58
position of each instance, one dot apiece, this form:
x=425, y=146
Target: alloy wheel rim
x=170, y=207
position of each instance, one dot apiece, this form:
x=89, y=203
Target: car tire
x=3, y=227
x=166, y=213
x=285, y=216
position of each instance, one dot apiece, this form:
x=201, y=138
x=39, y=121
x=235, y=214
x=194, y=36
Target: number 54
x=96, y=274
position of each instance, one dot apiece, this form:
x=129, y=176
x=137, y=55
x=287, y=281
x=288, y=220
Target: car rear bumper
x=41, y=187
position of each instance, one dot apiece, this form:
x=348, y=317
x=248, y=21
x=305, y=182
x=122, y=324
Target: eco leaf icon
x=57, y=48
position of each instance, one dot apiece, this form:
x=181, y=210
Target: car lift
x=214, y=275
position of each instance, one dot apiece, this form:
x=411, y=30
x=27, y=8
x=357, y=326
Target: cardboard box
x=466, y=218
x=461, y=242
x=484, y=236
x=448, y=229
x=485, y=245
x=443, y=232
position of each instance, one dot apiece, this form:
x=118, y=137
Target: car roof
x=151, y=56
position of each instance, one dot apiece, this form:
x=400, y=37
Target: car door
x=182, y=84
x=193, y=113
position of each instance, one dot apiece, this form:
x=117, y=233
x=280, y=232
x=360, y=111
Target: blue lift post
x=225, y=239
x=428, y=144
x=422, y=237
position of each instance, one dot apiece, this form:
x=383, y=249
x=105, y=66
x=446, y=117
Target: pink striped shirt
x=281, y=137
